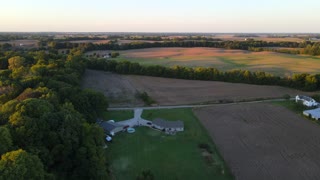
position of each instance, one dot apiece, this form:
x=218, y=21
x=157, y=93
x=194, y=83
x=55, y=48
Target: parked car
x=108, y=138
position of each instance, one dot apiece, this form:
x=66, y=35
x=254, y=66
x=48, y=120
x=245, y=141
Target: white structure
x=307, y=101
x=314, y=113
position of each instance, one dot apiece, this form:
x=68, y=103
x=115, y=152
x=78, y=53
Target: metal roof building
x=313, y=113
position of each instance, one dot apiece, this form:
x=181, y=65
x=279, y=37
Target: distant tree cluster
x=305, y=82
x=47, y=122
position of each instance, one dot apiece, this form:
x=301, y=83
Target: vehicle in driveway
x=108, y=138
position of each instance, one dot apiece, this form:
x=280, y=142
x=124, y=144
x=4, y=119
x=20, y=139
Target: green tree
x=20, y=165
x=5, y=140
x=16, y=62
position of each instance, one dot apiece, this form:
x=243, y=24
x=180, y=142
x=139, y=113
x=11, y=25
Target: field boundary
x=197, y=105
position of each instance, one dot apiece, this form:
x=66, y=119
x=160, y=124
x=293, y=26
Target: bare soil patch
x=264, y=141
x=121, y=89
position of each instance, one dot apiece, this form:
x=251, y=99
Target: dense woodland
x=47, y=122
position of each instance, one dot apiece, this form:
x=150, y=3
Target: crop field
x=166, y=156
x=224, y=59
x=121, y=90
x=264, y=141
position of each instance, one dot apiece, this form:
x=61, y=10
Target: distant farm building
x=111, y=127
x=168, y=125
x=314, y=113
x=307, y=101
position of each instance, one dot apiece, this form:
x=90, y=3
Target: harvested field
x=224, y=59
x=264, y=141
x=165, y=91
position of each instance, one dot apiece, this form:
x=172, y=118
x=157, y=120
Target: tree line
x=304, y=82
x=47, y=122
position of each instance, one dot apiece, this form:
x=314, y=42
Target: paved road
x=193, y=106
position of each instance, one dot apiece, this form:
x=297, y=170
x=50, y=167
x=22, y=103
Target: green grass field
x=274, y=63
x=118, y=115
x=167, y=156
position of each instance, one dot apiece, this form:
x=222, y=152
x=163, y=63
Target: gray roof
x=314, y=112
x=168, y=124
x=109, y=126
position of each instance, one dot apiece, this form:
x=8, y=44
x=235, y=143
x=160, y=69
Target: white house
x=307, y=101
x=168, y=125
x=313, y=113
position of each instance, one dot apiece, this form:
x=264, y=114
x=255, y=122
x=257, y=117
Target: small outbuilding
x=307, y=101
x=313, y=113
x=111, y=127
x=168, y=125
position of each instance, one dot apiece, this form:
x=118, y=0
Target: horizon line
x=179, y=32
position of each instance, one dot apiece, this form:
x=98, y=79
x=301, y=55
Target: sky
x=224, y=16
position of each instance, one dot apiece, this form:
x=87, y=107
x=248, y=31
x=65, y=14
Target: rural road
x=194, y=105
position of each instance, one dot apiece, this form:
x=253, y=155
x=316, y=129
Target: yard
x=168, y=157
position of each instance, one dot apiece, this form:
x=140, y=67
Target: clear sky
x=160, y=15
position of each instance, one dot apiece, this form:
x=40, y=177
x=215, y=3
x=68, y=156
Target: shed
x=168, y=125
x=313, y=113
x=111, y=127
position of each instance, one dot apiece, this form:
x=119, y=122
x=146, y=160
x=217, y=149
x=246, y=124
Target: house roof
x=168, y=124
x=109, y=126
x=313, y=112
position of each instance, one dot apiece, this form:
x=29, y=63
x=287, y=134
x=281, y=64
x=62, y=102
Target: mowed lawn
x=224, y=59
x=166, y=156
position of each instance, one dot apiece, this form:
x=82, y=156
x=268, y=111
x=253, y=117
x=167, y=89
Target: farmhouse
x=314, y=113
x=307, y=101
x=168, y=125
x=111, y=127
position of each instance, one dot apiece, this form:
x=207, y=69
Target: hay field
x=264, y=141
x=223, y=59
x=121, y=89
